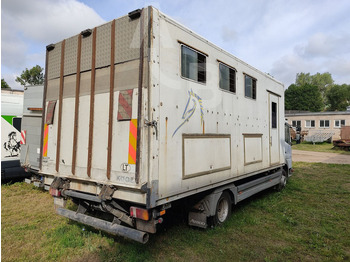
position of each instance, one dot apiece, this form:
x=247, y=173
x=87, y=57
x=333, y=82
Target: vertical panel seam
x=44, y=110
x=58, y=145
x=92, y=103
x=76, y=107
x=139, y=111
x=111, y=103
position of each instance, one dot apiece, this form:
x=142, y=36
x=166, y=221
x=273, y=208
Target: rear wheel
x=223, y=209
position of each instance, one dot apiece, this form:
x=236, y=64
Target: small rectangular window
x=16, y=122
x=324, y=123
x=227, y=78
x=309, y=123
x=193, y=64
x=339, y=123
x=287, y=136
x=249, y=87
x=296, y=123
x=274, y=115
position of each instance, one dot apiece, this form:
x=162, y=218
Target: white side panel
x=67, y=136
x=188, y=107
x=252, y=150
x=206, y=155
x=83, y=136
x=100, y=137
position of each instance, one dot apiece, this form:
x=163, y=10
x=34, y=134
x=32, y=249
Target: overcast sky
x=279, y=37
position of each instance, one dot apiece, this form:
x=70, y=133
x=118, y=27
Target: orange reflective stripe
x=46, y=137
x=132, y=141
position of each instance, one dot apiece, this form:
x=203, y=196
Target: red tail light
x=55, y=192
x=139, y=213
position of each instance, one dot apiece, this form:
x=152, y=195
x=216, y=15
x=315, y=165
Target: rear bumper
x=114, y=229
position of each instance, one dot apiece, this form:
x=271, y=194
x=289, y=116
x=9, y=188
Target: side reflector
x=55, y=192
x=162, y=212
x=139, y=213
x=23, y=137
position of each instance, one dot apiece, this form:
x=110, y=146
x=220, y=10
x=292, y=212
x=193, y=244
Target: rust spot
x=166, y=137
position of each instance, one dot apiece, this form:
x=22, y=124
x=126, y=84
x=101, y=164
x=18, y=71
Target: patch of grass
x=319, y=147
x=307, y=221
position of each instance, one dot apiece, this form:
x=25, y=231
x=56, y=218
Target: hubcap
x=283, y=181
x=223, y=210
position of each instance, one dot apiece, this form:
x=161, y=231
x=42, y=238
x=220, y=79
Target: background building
x=319, y=122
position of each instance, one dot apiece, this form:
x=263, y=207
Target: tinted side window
x=227, y=78
x=249, y=86
x=274, y=115
x=193, y=64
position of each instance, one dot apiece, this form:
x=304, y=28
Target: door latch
x=152, y=124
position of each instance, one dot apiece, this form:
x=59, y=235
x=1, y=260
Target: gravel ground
x=321, y=157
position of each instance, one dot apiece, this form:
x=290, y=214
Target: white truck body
x=11, y=116
x=31, y=127
x=145, y=124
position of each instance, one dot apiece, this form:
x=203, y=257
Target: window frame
x=310, y=126
x=254, y=87
x=198, y=52
x=340, y=123
x=324, y=123
x=235, y=77
x=296, y=123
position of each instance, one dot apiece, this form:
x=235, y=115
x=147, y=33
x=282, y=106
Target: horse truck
x=142, y=114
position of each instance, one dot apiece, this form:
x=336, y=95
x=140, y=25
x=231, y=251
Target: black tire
x=283, y=182
x=223, y=209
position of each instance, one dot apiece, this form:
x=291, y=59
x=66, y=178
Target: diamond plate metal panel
x=103, y=45
x=54, y=63
x=127, y=39
x=70, y=55
x=86, y=53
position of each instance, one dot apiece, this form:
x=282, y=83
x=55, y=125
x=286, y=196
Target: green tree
x=303, y=97
x=33, y=76
x=338, y=97
x=303, y=78
x=322, y=81
x=4, y=84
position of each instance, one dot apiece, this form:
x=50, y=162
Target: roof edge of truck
x=198, y=36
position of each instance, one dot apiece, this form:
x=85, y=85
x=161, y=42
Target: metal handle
x=153, y=124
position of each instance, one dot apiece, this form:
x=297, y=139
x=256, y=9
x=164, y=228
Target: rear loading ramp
x=93, y=128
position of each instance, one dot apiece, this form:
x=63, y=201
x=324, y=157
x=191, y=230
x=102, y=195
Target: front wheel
x=283, y=182
x=223, y=209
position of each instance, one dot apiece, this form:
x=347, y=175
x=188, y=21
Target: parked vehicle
x=162, y=117
x=31, y=132
x=11, y=116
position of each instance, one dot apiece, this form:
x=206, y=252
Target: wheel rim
x=283, y=181
x=223, y=210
